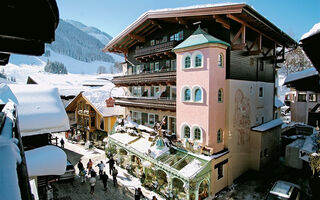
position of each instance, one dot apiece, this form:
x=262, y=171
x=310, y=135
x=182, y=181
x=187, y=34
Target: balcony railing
x=146, y=78
x=147, y=102
x=168, y=46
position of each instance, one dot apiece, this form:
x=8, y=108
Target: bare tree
x=101, y=70
x=296, y=60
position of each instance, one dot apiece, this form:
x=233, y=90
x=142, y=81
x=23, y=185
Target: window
x=164, y=39
x=172, y=124
x=151, y=67
x=261, y=65
x=93, y=120
x=156, y=91
x=102, y=124
x=171, y=37
x=220, y=95
x=302, y=97
x=197, y=134
x=220, y=60
x=156, y=66
x=173, y=93
x=260, y=91
x=197, y=95
x=151, y=119
x=173, y=65
x=168, y=64
x=136, y=91
x=136, y=117
x=198, y=62
x=262, y=120
x=186, y=132
x=220, y=171
x=219, y=136
x=187, y=95
x=152, y=42
x=144, y=118
x=187, y=62
x=312, y=98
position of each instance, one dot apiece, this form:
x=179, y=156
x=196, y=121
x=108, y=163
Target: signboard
x=110, y=102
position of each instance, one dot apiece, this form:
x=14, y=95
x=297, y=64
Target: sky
x=295, y=17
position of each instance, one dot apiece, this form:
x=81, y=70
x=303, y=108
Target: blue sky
x=295, y=17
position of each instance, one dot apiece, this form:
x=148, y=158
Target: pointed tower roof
x=199, y=37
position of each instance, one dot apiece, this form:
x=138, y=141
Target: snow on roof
x=170, y=9
x=6, y=94
x=190, y=169
x=269, y=125
x=124, y=138
x=98, y=97
x=278, y=103
x=297, y=143
x=300, y=75
x=46, y=160
x=314, y=30
x=40, y=109
x=142, y=145
x=10, y=155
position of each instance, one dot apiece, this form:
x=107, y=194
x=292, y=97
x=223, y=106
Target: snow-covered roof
x=278, y=103
x=10, y=155
x=301, y=75
x=98, y=97
x=298, y=143
x=40, y=109
x=269, y=125
x=314, y=30
x=46, y=160
x=310, y=144
x=190, y=169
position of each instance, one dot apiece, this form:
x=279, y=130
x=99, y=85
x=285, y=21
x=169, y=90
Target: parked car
x=70, y=172
x=284, y=190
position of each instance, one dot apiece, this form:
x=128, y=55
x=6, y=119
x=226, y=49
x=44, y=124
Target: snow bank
x=315, y=29
x=47, y=160
x=300, y=75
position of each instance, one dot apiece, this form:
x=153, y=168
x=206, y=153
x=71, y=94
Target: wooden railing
x=156, y=48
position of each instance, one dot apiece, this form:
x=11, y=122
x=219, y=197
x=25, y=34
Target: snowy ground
x=96, y=156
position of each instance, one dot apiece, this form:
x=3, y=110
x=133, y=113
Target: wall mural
x=241, y=121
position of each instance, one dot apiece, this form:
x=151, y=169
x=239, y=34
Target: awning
x=46, y=160
x=269, y=125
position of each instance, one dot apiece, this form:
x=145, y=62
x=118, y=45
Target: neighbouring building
x=40, y=113
x=92, y=114
x=204, y=78
x=304, y=97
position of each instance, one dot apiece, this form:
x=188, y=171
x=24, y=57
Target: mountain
x=102, y=36
x=78, y=47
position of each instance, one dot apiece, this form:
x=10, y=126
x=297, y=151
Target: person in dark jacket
x=138, y=194
x=114, y=176
x=80, y=166
x=111, y=165
x=62, y=143
x=104, y=178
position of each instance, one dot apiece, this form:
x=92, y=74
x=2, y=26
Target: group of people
x=102, y=174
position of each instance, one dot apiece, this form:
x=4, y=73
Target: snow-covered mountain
x=78, y=47
x=102, y=36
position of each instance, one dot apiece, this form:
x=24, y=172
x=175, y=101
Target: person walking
x=154, y=198
x=89, y=166
x=104, y=177
x=138, y=194
x=111, y=165
x=92, y=184
x=62, y=143
x=101, y=168
x=114, y=176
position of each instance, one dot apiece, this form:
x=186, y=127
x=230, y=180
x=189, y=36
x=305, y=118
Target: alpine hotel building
x=209, y=71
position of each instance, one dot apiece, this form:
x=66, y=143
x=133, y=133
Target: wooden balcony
x=167, y=46
x=147, y=78
x=148, y=103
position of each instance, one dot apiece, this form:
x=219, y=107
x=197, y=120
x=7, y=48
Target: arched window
x=197, y=134
x=220, y=95
x=187, y=62
x=220, y=60
x=219, y=136
x=186, y=131
x=197, y=95
x=198, y=62
x=187, y=94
